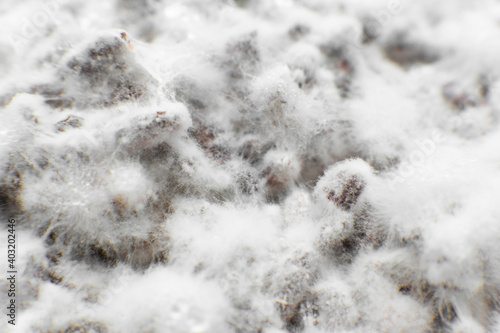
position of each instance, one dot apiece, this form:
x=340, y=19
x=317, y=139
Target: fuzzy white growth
x=252, y=166
x=343, y=186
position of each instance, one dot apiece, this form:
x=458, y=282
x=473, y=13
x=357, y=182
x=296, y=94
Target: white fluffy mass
x=270, y=166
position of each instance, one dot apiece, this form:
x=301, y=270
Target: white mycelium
x=252, y=165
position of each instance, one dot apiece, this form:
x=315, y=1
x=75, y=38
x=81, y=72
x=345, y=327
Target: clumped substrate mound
x=253, y=166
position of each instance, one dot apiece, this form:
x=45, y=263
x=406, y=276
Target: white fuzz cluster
x=252, y=165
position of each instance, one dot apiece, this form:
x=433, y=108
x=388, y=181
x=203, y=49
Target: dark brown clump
x=348, y=196
x=360, y=231
x=108, y=70
x=253, y=152
x=343, y=248
x=205, y=137
x=140, y=253
x=71, y=121
x=54, y=95
x=278, y=183
x=342, y=64
x=460, y=99
x=406, y=53
x=48, y=274
x=10, y=188
x=102, y=254
x=137, y=251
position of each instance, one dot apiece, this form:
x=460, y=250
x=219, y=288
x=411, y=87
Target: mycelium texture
x=252, y=165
